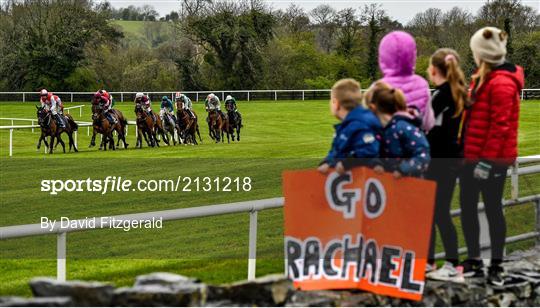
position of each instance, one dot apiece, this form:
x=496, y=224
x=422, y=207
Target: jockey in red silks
x=146, y=104
x=103, y=99
x=52, y=103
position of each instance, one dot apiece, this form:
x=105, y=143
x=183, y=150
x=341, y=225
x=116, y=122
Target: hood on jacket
x=514, y=72
x=397, y=54
x=407, y=116
x=362, y=116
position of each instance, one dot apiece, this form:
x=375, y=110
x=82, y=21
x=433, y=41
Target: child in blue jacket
x=404, y=147
x=357, y=137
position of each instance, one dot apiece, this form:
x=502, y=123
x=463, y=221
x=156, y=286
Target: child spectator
x=357, y=136
x=490, y=146
x=448, y=103
x=397, y=60
x=404, y=146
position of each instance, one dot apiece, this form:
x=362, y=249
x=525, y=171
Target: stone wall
x=165, y=289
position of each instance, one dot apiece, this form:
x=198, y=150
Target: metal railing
x=251, y=207
x=244, y=95
x=33, y=127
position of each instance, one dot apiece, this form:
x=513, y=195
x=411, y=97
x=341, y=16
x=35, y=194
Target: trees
x=325, y=26
x=234, y=34
x=35, y=48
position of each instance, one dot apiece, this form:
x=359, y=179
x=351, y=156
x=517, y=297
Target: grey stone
x=313, y=299
x=505, y=299
x=165, y=279
x=159, y=295
x=13, y=301
x=268, y=290
x=82, y=293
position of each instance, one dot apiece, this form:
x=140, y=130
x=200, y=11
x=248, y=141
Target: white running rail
x=247, y=95
x=251, y=207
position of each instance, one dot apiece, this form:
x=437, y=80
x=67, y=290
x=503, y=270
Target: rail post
x=75, y=141
x=248, y=96
x=10, y=142
x=303, y=95
x=24, y=97
x=61, y=257
x=32, y=126
x=88, y=131
x=80, y=111
x=522, y=92
x=275, y=95
x=514, y=180
x=537, y=206
x=252, y=262
x=197, y=97
x=72, y=97
x=122, y=97
x=222, y=96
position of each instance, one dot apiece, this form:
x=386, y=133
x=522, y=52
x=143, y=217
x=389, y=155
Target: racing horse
x=148, y=128
x=218, y=125
x=101, y=125
x=188, y=126
x=49, y=128
x=235, y=122
x=169, y=126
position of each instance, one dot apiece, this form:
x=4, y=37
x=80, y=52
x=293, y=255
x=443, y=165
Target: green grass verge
x=277, y=136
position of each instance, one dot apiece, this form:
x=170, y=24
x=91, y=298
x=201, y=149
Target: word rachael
x=343, y=260
x=357, y=230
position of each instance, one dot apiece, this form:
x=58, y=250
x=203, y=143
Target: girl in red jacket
x=490, y=146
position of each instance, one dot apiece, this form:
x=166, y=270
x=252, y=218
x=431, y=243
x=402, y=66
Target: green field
x=277, y=136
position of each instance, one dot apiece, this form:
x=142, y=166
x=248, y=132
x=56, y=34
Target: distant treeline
x=232, y=44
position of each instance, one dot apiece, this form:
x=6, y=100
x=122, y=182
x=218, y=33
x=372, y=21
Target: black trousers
x=445, y=172
x=492, y=193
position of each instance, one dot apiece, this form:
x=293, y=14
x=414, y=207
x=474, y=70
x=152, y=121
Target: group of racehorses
x=182, y=130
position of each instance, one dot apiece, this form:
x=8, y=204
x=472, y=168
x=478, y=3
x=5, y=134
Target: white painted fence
x=251, y=207
x=244, y=95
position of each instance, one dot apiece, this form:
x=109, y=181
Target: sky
x=402, y=10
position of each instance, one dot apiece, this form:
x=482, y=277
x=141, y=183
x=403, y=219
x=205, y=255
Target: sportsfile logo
x=113, y=184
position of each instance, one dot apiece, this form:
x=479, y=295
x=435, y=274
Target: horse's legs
x=39, y=141
x=198, y=133
x=59, y=140
x=238, y=132
x=93, y=140
x=51, y=144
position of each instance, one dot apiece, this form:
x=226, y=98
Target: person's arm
x=500, y=110
x=415, y=143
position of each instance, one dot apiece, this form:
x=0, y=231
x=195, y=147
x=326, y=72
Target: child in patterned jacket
x=404, y=147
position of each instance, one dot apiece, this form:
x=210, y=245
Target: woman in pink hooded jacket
x=397, y=61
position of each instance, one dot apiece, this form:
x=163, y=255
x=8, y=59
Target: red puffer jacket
x=491, y=129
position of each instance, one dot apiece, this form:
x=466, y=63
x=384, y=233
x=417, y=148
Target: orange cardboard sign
x=358, y=230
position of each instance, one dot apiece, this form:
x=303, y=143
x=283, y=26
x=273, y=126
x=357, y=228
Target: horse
x=187, y=125
x=169, y=126
x=148, y=128
x=218, y=125
x=49, y=128
x=235, y=123
x=103, y=126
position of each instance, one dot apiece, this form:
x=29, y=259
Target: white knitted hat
x=489, y=45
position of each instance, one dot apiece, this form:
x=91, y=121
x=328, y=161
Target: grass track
x=277, y=136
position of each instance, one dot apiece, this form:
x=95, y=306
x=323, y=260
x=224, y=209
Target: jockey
x=230, y=105
x=167, y=109
x=188, y=105
x=146, y=104
x=212, y=103
x=52, y=103
x=103, y=100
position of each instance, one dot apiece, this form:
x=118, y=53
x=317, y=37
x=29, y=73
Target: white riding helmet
x=139, y=95
x=228, y=97
x=44, y=92
x=211, y=96
x=177, y=95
